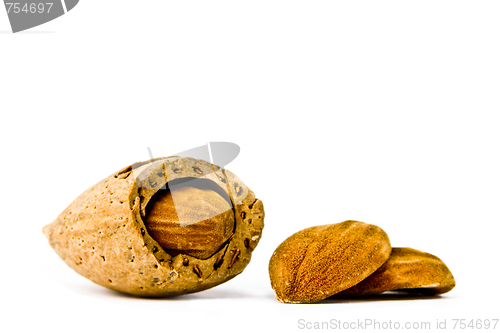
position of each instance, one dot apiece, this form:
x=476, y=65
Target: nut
x=192, y=220
x=406, y=270
x=115, y=232
x=320, y=261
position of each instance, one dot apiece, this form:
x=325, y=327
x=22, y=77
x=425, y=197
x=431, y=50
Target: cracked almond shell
x=406, y=270
x=102, y=236
x=321, y=261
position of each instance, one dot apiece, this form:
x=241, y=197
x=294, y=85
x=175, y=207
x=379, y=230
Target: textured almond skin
x=406, y=270
x=321, y=261
x=198, y=222
x=101, y=235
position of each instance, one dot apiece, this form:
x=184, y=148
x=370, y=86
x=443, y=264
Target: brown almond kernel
x=406, y=270
x=189, y=220
x=321, y=261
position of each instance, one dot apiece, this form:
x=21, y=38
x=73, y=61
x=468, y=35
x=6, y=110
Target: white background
x=386, y=112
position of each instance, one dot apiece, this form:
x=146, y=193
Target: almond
x=406, y=270
x=321, y=261
x=115, y=232
x=193, y=220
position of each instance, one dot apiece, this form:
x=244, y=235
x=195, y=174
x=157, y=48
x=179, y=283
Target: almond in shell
x=123, y=233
